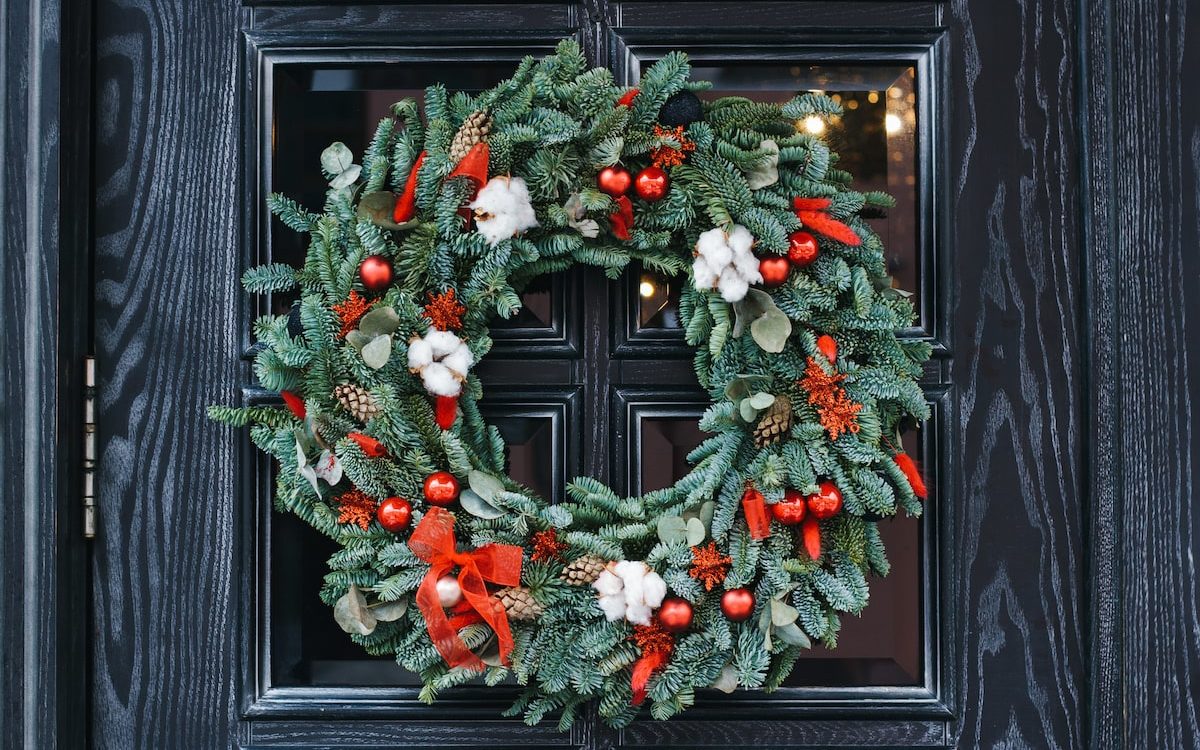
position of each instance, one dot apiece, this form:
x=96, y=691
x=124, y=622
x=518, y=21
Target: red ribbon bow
x=433, y=541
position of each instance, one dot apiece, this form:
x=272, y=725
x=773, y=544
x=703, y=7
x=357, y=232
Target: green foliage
x=554, y=124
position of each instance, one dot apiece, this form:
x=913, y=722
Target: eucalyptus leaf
x=347, y=178
x=379, y=322
x=783, y=613
x=792, y=635
x=377, y=353
x=747, y=411
x=727, y=681
x=477, y=506
x=766, y=171
x=695, y=532
x=336, y=158
x=750, y=308
x=707, y=510
x=771, y=330
x=351, y=613
x=378, y=207
x=358, y=339
x=762, y=400
x=743, y=385
x=672, y=530
x=484, y=484
x=390, y=611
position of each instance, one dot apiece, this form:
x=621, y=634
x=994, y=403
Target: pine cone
x=519, y=604
x=358, y=401
x=474, y=129
x=774, y=423
x=583, y=570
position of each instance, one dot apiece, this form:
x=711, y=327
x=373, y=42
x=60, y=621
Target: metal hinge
x=89, y=447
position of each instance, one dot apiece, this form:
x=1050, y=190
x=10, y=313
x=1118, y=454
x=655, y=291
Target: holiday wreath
x=718, y=581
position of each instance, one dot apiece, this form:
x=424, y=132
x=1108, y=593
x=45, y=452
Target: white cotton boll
x=420, y=353
x=747, y=268
x=719, y=256
x=459, y=360
x=740, y=239
x=654, y=589
x=633, y=589
x=626, y=569
x=607, y=584
x=638, y=614
x=503, y=209
x=732, y=286
x=439, y=380
x=613, y=607
x=709, y=241
x=703, y=275
x=442, y=342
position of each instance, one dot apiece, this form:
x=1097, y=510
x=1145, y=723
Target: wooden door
x=998, y=629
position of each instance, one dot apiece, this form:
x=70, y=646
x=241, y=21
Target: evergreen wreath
x=718, y=581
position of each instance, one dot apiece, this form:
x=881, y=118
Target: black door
x=997, y=625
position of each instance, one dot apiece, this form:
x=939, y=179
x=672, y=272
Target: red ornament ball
x=614, y=180
x=828, y=346
x=774, y=270
x=802, y=249
x=652, y=184
x=394, y=514
x=737, y=604
x=675, y=614
x=825, y=503
x=790, y=510
x=376, y=273
x=441, y=488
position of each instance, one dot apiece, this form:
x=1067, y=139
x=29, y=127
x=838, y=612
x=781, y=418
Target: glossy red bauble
x=737, y=604
x=828, y=346
x=826, y=503
x=614, y=180
x=445, y=409
x=441, y=488
x=791, y=509
x=802, y=249
x=376, y=273
x=394, y=514
x=652, y=184
x=774, y=270
x=675, y=614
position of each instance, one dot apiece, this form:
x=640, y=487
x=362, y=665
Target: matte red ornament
x=652, y=184
x=614, y=180
x=394, y=514
x=826, y=503
x=371, y=447
x=445, y=409
x=737, y=604
x=810, y=533
x=441, y=488
x=675, y=614
x=791, y=509
x=376, y=273
x=802, y=249
x=774, y=270
x=912, y=474
x=295, y=404
x=827, y=345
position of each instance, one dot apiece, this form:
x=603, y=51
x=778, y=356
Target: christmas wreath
x=718, y=581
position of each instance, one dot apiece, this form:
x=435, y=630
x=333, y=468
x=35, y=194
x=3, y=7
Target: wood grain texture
x=168, y=329
x=1017, y=340
x=1154, y=142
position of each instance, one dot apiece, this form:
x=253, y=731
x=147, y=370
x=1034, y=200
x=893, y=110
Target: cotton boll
x=638, y=614
x=607, y=584
x=503, y=209
x=442, y=342
x=613, y=607
x=459, y=360
x=747, y=267
x=654, y=589
x=420, y=353
x=740, y=239
x=633, y=589
x=732, y=287
x=439, y=380
x=703, y=275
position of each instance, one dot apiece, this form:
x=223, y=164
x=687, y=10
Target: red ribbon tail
x=643, y=669
x=912, y=474
x=755, y=510
x=406, y=204
x=622, y=219
x=295, y=404
x=810, y=204
x=823, y=223
x=473, y=166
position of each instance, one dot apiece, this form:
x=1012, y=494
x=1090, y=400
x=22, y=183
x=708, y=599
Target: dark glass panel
x=883, y=646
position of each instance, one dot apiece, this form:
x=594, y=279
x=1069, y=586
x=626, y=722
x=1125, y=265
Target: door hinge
x=89, y=447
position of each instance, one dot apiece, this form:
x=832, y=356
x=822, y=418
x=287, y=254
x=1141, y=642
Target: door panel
x=203, y=598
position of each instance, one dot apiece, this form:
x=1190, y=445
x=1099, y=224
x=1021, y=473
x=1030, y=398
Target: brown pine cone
x=584, y=570
x=358, y=401
x=775, y=422
x=520, y=604
x=474, y=129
